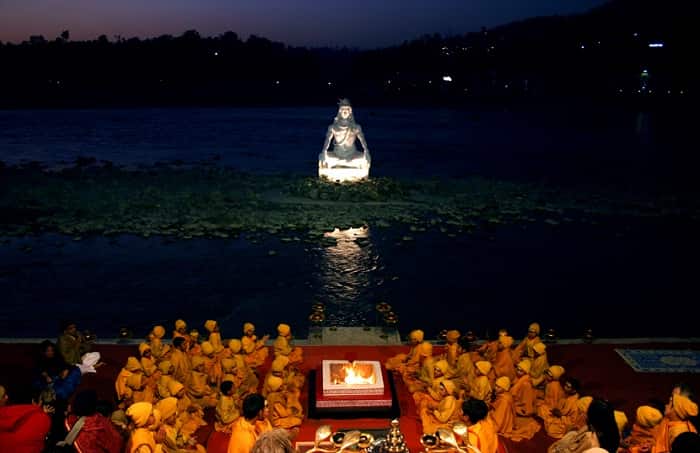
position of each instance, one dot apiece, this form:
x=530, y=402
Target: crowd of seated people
x=501, y=390
x=498, y=390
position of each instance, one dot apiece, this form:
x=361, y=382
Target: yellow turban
x=143, y=347
x=416, y=335
x=139, y=413
x=159, y=331
x=134, y=381
x=279, y=363
x=247, y=327
x=483, y=366
x=167, y=407
x=648, y=416
x=583, y=403
x=194, y=333
x=235, y=345
x=207, y=348
x=133, y=364
x=210, y=325
x=539, y=348
x=684, y=407
x=506, y=341
x=197, y=360
x=534, y=327
x=274, y=383
x=284, y=329
x=164, y=366
x=180, y=325
x=453, y=335
x=227, y=364
x=228, y=377
x=426, y=349
x=174, y=387
x=449, y=386
x=556, y=371
x=442, y=365
x=503, y=382
x=525, y=365
x=620, y=420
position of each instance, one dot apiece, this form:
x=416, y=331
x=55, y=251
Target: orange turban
x=210, y=325
x=164, y=366
x=426, y=349
x=449, y=386
x=247, y=327
x=279, y=363
x=525, y=365
x=453, y=335
x=139, y=413
x=143, y=347
x=483, y=366
x=648, y=416
x=584, y=402
x=159, y=331
x=194, y=333
x=180, y=325
x=134, y=381
x=416, y=335
x=174, y=387
x=274, y=383
x=442, y=365
x=133, y=364
x=167, y=407
x=506, y=341
x=539, y=348
x=227, y=364
x=235, y=345
x=556, y=371
x=284, y=329
x=534, y=327
x=503, y=382
x=684, y=407
x=207, y=348
x=228, y=377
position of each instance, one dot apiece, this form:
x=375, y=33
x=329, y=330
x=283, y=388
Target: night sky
x=353, y=23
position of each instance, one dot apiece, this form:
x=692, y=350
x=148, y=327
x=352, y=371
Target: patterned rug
x=661, y=360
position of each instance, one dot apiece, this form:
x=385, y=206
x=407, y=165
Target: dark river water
x=614, y=278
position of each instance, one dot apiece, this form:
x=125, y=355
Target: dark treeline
x=603, y=54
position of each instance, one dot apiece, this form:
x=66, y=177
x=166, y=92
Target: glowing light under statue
x=344, y=162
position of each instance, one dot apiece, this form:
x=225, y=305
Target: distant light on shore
x=656, y=44
x=447, y=78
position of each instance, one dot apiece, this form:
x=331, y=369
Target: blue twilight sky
x=353, y=23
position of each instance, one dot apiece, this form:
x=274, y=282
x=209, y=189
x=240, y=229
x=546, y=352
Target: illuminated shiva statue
x=344, y=162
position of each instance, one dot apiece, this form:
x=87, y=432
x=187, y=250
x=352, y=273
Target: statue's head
x=344, y=109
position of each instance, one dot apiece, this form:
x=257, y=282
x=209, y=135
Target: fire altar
x=343, y=386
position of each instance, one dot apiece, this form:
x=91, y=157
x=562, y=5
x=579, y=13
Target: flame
x=357, y=374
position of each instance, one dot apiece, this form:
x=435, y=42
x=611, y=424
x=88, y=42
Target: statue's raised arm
x=344, y=161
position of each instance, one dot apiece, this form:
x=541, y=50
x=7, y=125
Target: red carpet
x=601, y=372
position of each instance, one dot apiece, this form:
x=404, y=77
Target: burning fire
x=359, y=373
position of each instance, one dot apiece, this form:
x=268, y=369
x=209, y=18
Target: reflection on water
x=346, y=273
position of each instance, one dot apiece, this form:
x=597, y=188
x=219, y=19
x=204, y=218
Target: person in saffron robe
x=464, y=375
x=432, y=392
x=644, y=430
x=182, y=366
x=165, y=369
x=227, y=409
x=122, y=385
x=214, y=335
x=254, y=350
x=488, y=350
x=563, y=418
x=553, y=391
x=439, y=414
x=194, y=347
x=283, y=346
x=244, y=378
x=600, y=430
x=198, y=387
x=424, y=375
x=480, y=430
x=97, y=434
x=523, y=393
x=181, y=331
x=250, y=426
x=539, y=364
x=452, y=348
x=155, y=338
x=503, y=359
x=621, y=422
x=281, y=416
x=212, y=364
x=145, y=420
x=400, y=362
x=502, y=411
x=526, y=347
x=676, y=421
x=481, y=389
